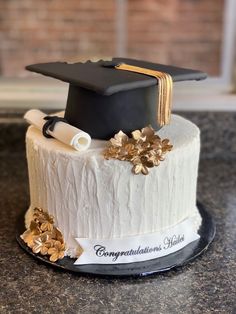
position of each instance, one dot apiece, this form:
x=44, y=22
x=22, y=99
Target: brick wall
x=182, y=32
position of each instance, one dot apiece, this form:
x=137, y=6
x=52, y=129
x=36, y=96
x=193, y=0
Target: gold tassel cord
x=165, y=98
x=165, y=89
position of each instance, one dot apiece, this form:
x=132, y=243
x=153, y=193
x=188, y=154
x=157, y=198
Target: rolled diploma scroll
x=63, y=132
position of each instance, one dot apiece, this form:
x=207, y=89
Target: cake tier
x=91, y=197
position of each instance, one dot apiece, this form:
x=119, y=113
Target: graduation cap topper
x=106, y=97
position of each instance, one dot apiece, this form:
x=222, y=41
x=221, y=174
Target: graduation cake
x=113, y=178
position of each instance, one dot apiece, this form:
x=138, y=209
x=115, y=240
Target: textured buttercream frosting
x=91, y=197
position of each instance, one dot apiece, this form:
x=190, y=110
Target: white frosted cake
x=90, y=197
x=113, y=178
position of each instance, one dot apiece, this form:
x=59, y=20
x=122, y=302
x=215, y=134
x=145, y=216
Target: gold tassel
x=165, y=89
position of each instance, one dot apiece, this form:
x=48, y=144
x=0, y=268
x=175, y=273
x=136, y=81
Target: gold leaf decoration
x=43, y=237
x=144, y=149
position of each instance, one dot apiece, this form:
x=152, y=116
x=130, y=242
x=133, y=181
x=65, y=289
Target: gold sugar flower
x=29, y=235
x=28, y=238
x=57, y=251
x=41, y=216
x=57, y=235
x=144, y=149
x=166, y=146
x=112, y=151
x=34, y=227
x=41, y=244
x=43, y=237
x=138, y=136
x=119, y=139
x=46, y=226
x=140, y=168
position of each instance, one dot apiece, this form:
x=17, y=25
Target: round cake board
x=154, y=266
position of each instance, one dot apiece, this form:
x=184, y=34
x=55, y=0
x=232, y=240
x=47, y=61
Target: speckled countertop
x=207, y=285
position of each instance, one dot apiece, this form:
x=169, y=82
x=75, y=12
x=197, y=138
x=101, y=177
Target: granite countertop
x=207, y=285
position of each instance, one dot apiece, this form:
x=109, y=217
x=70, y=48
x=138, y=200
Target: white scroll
x=63, y=132
x=136, y=248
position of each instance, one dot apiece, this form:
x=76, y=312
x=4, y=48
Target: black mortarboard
x=103, y=100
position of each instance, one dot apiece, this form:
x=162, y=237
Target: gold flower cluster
x=43, y=238
x=144, y=149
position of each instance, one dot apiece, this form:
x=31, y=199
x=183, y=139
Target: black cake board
x=145, y=268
